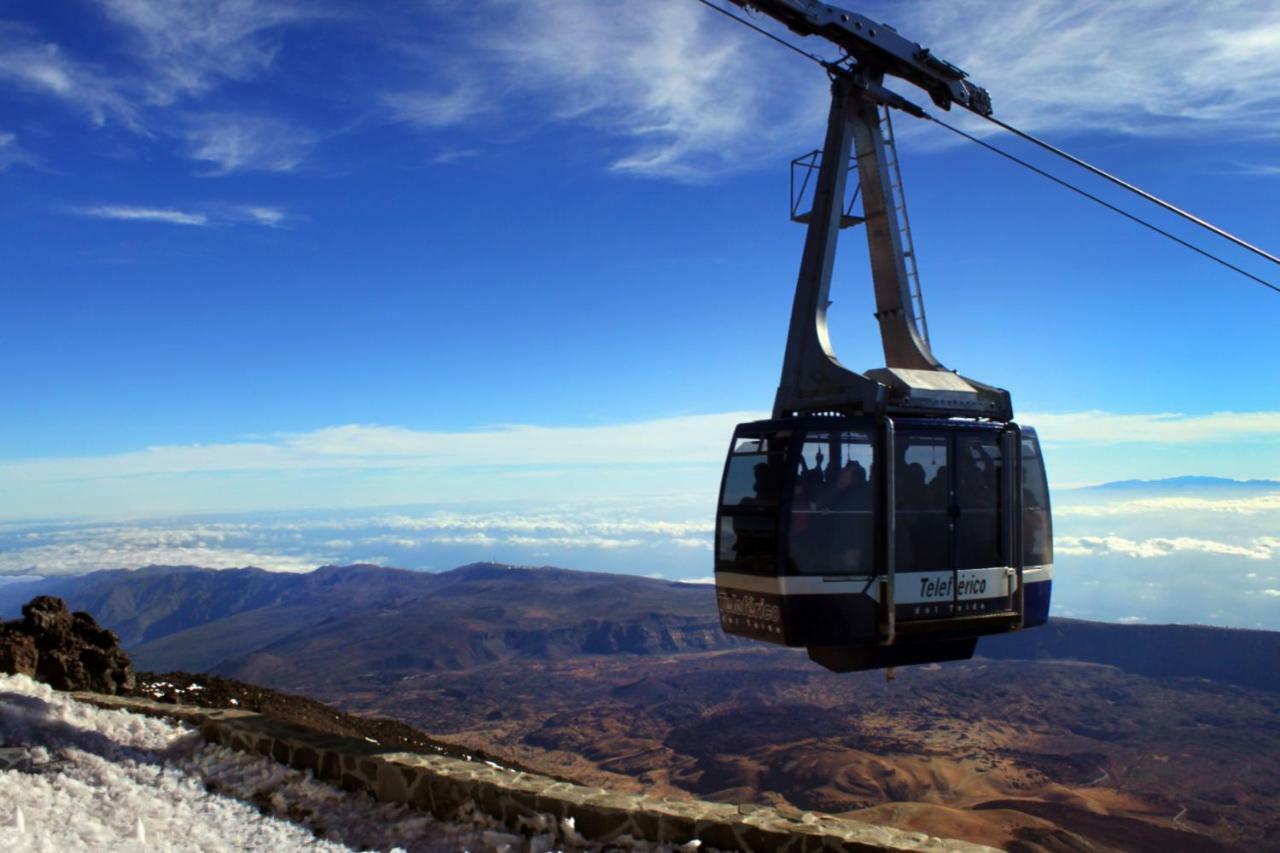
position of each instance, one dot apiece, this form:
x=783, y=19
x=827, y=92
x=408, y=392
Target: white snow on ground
x=112, y=780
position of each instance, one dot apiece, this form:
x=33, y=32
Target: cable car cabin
x=880, y=542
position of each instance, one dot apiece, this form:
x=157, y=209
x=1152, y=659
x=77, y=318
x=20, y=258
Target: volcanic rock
x=66, y=650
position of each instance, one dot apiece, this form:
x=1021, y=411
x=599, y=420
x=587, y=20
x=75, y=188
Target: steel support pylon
x=913, y=381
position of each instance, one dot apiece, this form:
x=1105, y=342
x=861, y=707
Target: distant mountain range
x=1186, y=483
x=291, y=629
x=296, y=630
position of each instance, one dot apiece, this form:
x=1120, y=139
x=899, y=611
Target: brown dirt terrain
x=1022, y=755
x=211, y=691
x=1170, y=740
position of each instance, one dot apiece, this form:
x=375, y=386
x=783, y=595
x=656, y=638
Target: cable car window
x=832, y=529
x=1037, y=525
x=748, y=543
x=758, y=444
x=922, y=496
x=978, y=477
x=752, y=479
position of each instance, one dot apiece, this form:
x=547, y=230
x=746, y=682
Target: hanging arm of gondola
x=912, y=380
x=878, y=47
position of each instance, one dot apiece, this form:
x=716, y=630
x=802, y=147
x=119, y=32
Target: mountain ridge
x=1187, y=481
x=380, y=620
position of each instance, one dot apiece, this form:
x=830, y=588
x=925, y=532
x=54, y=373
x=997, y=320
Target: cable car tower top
x=913, y=381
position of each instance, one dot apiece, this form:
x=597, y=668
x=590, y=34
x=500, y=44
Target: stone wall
x=446, y=786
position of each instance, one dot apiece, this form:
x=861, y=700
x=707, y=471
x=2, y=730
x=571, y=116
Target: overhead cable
x=1190, y=217
x=1070, y=157
x=762, y=31
x=1126, y=214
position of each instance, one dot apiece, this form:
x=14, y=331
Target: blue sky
x=501, y=257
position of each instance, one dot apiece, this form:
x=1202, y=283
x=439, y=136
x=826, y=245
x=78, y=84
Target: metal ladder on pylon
x=899, y=202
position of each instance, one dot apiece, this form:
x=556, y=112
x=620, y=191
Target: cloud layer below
x=367, y=465
x=1166, y=558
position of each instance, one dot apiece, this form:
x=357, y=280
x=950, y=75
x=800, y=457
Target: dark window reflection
x=749, y=542
x=748, y=534
x=1037, y=525
x=922, y=495
x=753, y=479
x=832, y=528
x=978, y=471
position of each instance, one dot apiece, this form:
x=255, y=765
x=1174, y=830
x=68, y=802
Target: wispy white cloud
x=178, y=50
x=271, y=217
x=439, y=108
x=694, y=438
x=454, y=155
x=1083, y=546
x=483, y=540
x=647, y=457
x=1249, y=506
x=1098, y=427
x=682, y=94
x=145, y=214
x=10, y=151
x=690, y=95
x=543, y=523
x=215, y=214
x=43, y=68
x=601, y=542
x=1259, y=169
x=679, y=91
x=1143, y=67
x=243, y=143
x=493, y=462
x=185, y=47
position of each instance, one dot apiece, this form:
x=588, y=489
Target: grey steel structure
x=825, y=536
x=913, y=381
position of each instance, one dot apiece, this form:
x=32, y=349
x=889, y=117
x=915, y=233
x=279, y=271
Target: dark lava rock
x=46, y=618
x=68, y=651
x=18, y=653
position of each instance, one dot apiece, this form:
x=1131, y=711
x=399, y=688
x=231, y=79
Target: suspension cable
x=1126, y=214
x=1061, y=182
x=1190, y=217
x=762, y=31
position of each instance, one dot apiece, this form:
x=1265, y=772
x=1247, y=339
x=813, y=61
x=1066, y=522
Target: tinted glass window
x=1037, y=524
x=752, y=479
x=922, y=495
x=832, y=529
x=978, y=481
x=752, y=445
x=748, y=543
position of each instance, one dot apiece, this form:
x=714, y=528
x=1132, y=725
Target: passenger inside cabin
x=912, y=489
x=810, y=484
x=938, y=495
x=850, y=490
x=767, y=478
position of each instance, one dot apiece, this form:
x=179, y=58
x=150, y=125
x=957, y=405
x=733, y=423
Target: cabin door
x=948, y=540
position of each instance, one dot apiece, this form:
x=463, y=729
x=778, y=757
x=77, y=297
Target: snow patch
x=93, y=779
x=101, y=779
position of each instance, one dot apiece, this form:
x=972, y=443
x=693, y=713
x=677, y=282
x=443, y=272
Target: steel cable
x=1108, y=205
x=1060, y=181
